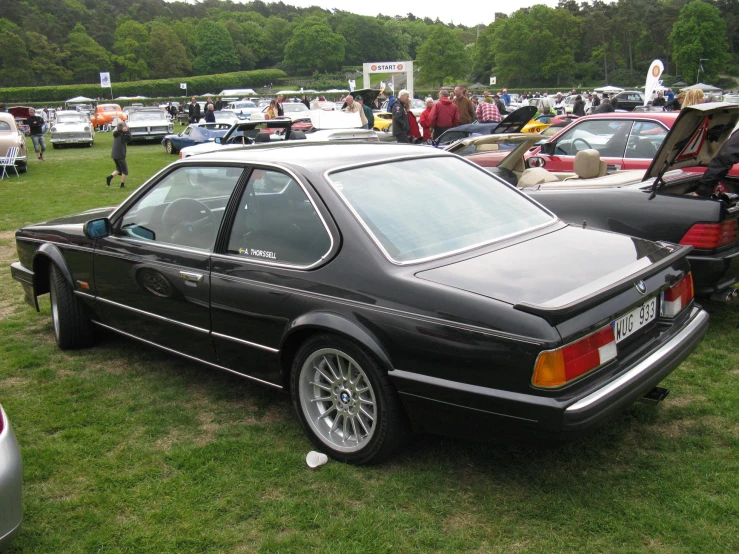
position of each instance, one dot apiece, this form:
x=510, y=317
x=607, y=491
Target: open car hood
x=367, y=94
x=695, y=138
x=515, y=121
x=19, y=112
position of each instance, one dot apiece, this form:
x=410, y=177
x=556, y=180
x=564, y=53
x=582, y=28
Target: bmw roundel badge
x=641, y=286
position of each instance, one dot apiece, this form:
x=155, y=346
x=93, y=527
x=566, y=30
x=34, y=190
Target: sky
x=468, y=13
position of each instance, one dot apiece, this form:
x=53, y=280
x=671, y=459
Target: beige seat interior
x=588, y=165
x=536, y=176
x=614, y=179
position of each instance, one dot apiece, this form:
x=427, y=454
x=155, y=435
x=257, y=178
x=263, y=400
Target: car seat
x=535, y=176
x=262, y=137
x=588, y=165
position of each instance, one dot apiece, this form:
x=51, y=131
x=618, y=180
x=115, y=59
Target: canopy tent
x=132, y=98
x=679, y=84
x=336, y=91
x=702, y=86
x=610, y=89
x=79, y=99
x=296, y=92
x=478, y=85
x=235, y=92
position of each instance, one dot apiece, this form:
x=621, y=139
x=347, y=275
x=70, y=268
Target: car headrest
x=588, y=164
x=535, y=176
x=262, y=137
x=297, y=135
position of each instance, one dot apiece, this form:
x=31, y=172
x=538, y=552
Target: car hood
x=149, y=123
x=19, y=112
x=695, y=138
x=367, y=94
x=553, y=270
x=515, y=121
x=79, y=218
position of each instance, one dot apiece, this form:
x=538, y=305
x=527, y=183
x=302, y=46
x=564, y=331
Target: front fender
x=42, y=260
x=327, y=321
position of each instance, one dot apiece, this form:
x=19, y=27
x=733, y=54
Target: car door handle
x=191, y=277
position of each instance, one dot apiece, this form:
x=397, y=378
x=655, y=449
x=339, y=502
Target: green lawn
x=127, y=449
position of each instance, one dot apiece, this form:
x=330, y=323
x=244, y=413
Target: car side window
x=276, y=222
x=607, y=136
x=185, y=208
x=645, y=139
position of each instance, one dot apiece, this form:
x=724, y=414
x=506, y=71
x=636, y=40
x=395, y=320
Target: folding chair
x=9, y=161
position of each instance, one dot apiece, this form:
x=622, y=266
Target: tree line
x=52, y=42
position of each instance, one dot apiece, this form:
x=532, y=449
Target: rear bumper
x=11, y=484
x=62, y=140
x=714, y=273
x=463, y=410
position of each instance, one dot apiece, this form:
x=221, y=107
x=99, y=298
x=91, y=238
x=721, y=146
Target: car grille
x=72, y=135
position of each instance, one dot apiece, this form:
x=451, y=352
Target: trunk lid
x=560, y=274
x=695, y=138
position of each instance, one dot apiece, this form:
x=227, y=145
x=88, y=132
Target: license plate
x=630, y=323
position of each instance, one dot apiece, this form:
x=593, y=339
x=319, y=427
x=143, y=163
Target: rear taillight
x=677, y=297
x=555, y=368
x=708, y=236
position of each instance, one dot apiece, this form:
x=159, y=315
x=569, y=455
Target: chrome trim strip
x=85, y=295
x=382, y=310
x=187, y=356
x=60, y=244
x=327, y=176
x=246, y=342
x=452, y=385
x=642, y=367
x=155, y=316
x=158, y=244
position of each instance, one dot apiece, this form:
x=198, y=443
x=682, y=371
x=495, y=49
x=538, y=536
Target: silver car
x=11, y=482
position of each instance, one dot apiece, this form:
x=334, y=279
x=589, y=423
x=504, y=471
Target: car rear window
x=431, y=207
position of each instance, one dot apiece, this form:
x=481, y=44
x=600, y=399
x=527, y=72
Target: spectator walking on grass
x=210, y=115
x=36, y=124
x=121, y=137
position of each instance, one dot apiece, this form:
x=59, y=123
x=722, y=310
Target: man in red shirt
x=444, y=115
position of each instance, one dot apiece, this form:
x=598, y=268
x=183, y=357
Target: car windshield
x=109, y=108
x=146, y=116
x=431, y=207
x=71, y=119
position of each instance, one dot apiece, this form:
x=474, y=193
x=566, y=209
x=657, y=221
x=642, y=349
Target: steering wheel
x=585, y=142
x=184, y=218
x=241, y=139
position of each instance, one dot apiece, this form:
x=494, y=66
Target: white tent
x=79, y=99
x=336, y=91
x=702, y=86
x=610, y=89
x=235, y=92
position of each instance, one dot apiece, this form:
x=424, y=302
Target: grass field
x=127, y=449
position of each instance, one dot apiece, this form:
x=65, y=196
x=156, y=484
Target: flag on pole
x=493, y=80
x=655, y=72
x=183, y=86
x=105, y=79
x=382, y=86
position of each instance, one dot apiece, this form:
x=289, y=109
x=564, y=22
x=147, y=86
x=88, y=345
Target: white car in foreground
x=72, y=127
x=149, y=124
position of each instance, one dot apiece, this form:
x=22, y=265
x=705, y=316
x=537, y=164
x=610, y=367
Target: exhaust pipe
x=655, y=396
x=725, y=296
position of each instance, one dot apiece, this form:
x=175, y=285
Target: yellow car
x=534, y=126
x=383, y=120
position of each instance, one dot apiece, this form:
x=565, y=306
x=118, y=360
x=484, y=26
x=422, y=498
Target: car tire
x=368, y=423
x=72, y=325
x=55, y=146
x=168, y=147
x=22, y=168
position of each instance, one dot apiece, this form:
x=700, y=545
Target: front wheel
x=72, y=325
x=168, y=147
x=346, y=402
x=56, y=146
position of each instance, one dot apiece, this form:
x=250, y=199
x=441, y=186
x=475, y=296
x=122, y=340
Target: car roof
x=317, y=157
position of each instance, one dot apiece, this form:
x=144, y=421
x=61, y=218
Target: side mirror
x=535, y=161
x=435, y=143
x=217, y=140
x=548, y=148
x=97, y=228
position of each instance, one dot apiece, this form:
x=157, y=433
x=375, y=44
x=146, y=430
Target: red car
x=624, y=140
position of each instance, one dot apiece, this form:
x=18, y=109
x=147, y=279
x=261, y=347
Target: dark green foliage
x=215, y=49
x=314, y=46
x=442, y=55
x=159, y=88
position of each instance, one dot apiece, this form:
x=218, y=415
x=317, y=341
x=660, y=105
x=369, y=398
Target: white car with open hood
x=72, y=127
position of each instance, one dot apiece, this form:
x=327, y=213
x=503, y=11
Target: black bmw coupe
x=388, y=288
